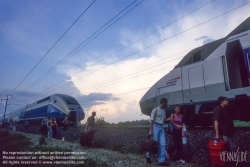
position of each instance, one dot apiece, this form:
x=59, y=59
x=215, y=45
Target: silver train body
x=55, y=106
x=219, y=68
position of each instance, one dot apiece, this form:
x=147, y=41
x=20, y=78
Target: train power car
x=55, y=106
x=219, y=68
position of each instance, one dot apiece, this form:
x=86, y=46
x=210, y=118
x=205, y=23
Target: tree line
x=101, y=122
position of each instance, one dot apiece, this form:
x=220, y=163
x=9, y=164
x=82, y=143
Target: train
x=55, y=106
x=219, y=68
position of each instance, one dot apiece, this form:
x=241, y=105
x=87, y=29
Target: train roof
x=202, y=52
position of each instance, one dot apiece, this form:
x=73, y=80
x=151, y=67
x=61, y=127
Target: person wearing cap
x=222, y=123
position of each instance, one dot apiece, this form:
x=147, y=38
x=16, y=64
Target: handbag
x=170, y=129
x=149, y=145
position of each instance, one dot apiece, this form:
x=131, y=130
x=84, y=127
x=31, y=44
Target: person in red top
x=176, y=119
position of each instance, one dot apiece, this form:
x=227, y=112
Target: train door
x=237, y=70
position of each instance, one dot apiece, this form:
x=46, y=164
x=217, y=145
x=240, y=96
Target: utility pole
x=6, y=103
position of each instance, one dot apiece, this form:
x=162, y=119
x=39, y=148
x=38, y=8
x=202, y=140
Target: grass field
x=18, y=142
x=241, y=124
x=236, y=124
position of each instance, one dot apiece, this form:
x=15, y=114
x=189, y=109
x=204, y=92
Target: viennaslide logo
x=232, y=156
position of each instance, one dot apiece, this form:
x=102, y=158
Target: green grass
x=241, y=124
x=18, y=142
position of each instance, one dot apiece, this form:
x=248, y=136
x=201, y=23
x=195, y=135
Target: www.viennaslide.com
x=39, y=157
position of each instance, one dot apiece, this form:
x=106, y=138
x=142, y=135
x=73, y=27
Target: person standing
x=50, y=129
x=65, y=126
x=223, y=125
x=26, y=125
x=44, y=126
x=176, y=119
x=90, y=124
x=54, y=127
x=157, y=119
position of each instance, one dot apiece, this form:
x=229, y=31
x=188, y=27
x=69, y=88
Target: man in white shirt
x=158, y=116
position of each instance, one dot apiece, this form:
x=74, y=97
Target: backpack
x=170, y=129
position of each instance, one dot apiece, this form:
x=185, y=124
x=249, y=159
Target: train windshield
x=70, y=100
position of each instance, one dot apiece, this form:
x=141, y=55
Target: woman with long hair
x=50, y=129
x=176, y=119
x=54, y=126
x=65, y=126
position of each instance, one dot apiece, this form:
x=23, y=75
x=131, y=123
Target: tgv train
x=219, y=68
x=55, y=106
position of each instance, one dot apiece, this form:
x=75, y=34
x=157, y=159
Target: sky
x=112, y=71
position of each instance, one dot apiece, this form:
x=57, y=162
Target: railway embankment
x=127, y=140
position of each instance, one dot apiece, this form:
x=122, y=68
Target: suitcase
x=85, y=139
x=149, y=145
x=215, y=150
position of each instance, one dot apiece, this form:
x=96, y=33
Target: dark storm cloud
x=205, y=39
x=93, y=99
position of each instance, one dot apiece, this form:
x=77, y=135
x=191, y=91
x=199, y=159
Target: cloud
x=127, y=107
x=147, y=64
x=205, y=39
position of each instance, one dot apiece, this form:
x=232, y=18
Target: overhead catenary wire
x=114, y=95
x=70, y=54
x=54, y=67
x=204, y=22
x=127, y=78
x=160, y=42
x=137, y=69
x=52, y=47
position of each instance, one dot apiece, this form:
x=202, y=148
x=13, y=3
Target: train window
x=43, y=100
x=207, y=108
x=197, y=56
x=70, y=100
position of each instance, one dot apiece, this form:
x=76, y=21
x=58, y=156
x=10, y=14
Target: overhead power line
x=52, y=47
x=160, y=41
x=114, y=95
x=128, y=74
x=195, y=26
x=48, y=72
x=69, y=55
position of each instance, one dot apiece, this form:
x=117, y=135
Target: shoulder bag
x=170, y=129
x=149, y=144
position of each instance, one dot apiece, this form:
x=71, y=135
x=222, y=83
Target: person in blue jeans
x=157, y=119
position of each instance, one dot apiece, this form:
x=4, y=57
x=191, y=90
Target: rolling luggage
x=85, y=139
x=216, y=148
